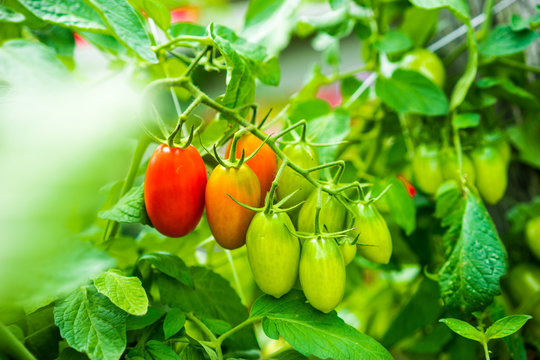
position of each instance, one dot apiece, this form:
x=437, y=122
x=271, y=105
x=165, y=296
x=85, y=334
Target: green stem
x=202, y=326
x=238, y=327
x=486, y=350
x=318, y=212
x=181, y=121
x=196, y=60
x=270, y=196
x=112, y=226
x=519, y=65
x=488, y=13
x=181, y=39
x=11, y=346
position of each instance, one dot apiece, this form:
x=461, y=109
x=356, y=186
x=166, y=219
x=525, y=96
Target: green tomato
x=427, y=63
x=533, y=236
x=322, y=273
x=450, y=167
x=524, y=282
x=427, y=172
x=306, y=157
x=332, y=216
x=348, y=251
x=504, y=148
x=273, y=253
x=374, y=240
x=491, y=177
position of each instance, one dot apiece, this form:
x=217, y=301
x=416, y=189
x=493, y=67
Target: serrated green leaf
x=10, y=15
x=466, y=120
x=169, y=264
x=125, y=292
x=312, y=332
x=506, y=326
x=75, y=14
x=410, y=92
x=470, y=277
x=126, y=26
x=464, y=329
x=129, y=209
x=174, y=322
x=504, y=41
x=90, y=323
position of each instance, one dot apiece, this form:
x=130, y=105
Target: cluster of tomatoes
x=177, y=191
x=485, y=168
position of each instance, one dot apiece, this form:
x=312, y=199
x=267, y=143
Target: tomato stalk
x=181, y=121
x=269, y=201
x=11, y=346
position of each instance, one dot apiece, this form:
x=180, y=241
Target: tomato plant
x=174, y=190
x=379, y=160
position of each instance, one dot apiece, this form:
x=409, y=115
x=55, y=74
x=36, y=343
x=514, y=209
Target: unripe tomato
x=491, y=177
x=263, y=164
x=174, y=189
x=348, y=251
x=322, y=273
x=332, y=215
x=306, y=157
x=228, y=220
x=504, y=148
x=273, y=253
x=524, y=282
x=374, y=240
x=427, y=63
x=450, y=167
x=533, y=236
x=427, y=169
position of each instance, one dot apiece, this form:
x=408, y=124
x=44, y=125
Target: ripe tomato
x=533, y=236
x=322, y=273
x=306, y=157
x=174, y=189
x=491, y=177
x=273, y=253
x=263, y=164
x=427, y=170
x=427, y=63
x=450, y=167
x=228, y=220
x=374, y=240
x=331, y=217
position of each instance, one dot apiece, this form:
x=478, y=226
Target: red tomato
x=263, y=164
x=229, y=221
x=410, y=188
x=174, y=189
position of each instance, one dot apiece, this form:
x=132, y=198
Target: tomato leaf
x=174, y=322
x=459, y=8
x=125, y=292
x=158, y=12
x=464, y=329
x=506, y=326
x=402, y=206
x=470, y=277
x=504, y=88
x=159, y=351
x=185, y=28
x=129, y=209
x=410, y=92
x=503, y=40
x=419, y=24
x=169, y=264
x=466, y=120
x=140, y=322
x=92, y=324
x=75, y=14
x=392, y=42
x=312, y=332
x=127, y=26
x=10, y=15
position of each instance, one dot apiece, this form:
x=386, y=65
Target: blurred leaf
x=465, y=81
x=402, y=206
x=312, y=332
x=58, y=38
x=470, y=277
x=169, y=264
x=517, y=23
x=514, y=343
x=129, y=209
x=504, y=41
x=410, y=92
x=158, y=12
x=506, y=326
x=185, y=28
x=459, y=8
x=10, y=15
x=506, y=89
x=464, y=329
x=308, y=110
x=270, y=22
x=392, y=42
x=419, y=24
x=75, y=14
x=71, y=354
x=105, y=43
x=41, y=336
x=92, y=324
x=28, y=62
x=421, y=310
x=126, y=26
x=466, y=120
x=211, y=297
x=125, y=292
x=140, y=322
x=433, y=341
x=173, y=323
x=217, y=326
x=525, y=138
x=329, y=129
